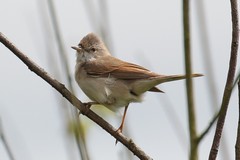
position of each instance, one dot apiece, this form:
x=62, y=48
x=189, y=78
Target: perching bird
x=110, y=81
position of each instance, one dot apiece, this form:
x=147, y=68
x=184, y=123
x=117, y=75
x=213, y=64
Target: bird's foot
x=88, y=105
x=119, y=130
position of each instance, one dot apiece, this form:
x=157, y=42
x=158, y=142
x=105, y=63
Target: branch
x=237, y=146
x=200, y=137
x=189, y=85
x=74, y=101
x=236, y=80
x=203, y=134
x=229, y=83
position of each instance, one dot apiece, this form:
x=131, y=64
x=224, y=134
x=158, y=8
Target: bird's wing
x=109, y=66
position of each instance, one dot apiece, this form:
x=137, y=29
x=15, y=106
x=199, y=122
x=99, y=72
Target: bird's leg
x=122, y=123
x=123, y=119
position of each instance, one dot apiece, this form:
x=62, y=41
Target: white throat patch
x=85, y=57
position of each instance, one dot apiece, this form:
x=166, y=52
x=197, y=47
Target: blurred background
x=38, y=123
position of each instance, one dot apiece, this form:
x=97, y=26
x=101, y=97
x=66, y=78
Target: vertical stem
x=229, y=82
x=237, y=146
x=189, y=85
x=80, y=141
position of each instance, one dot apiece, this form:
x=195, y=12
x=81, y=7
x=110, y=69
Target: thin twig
x=229, y=82
x=236, y=80
x=63, y=56
x=74, y=101
x=189, y=85
x=211, y=123
x=237, y=146
x=5, y=143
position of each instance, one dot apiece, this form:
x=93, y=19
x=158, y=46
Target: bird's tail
x=142, y=86
x=164, y=78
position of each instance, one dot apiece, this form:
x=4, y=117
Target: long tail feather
x=170, y=78
x=141, y=86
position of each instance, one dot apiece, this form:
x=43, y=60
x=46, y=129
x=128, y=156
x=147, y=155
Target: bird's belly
x=107, y=91
x=94, y=89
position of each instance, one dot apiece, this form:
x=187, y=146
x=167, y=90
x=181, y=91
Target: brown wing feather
x=110, y=66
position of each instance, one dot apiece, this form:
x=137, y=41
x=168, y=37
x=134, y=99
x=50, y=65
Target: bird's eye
x=93, y=49
x=80, y=45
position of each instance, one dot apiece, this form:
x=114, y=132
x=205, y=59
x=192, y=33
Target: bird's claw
x=119, y=130
x=88, y=105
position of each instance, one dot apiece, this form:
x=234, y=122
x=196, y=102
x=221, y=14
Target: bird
x=112, y=82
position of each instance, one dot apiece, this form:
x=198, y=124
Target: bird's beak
x=78, y=49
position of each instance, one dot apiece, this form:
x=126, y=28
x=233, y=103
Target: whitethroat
x=112, y=82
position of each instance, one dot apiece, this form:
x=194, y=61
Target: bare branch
x=229, y=83
x=74, y=101
x=237, y=146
